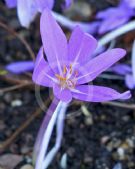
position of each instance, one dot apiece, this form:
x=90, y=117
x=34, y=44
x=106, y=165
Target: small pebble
x=16, y=103
x=2, y=125
x=63, y=162
x=27, y=166
x=71, y=151
x=104, y=139
x=118, y=166
x=88, y=160
x=25, y=149
x=121, y=153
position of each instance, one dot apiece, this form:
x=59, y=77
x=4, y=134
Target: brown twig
x=15, y=87
x=121, y=105
x=14, y=79
x=4, y=26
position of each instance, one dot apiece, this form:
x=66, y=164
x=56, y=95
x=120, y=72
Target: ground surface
x=98, y=140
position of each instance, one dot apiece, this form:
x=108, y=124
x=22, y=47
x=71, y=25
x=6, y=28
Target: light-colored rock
x=27, y=166
x=9, y=161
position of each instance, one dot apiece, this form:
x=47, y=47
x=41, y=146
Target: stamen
x=70, y=70
x=76, y=73
x=64, y=70
x=60, y=77
x=64, y=80
x=71, y=84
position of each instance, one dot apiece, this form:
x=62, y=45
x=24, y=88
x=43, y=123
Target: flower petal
x=43, y=75
x=112, y=23
x=81, y=46
x=129, y=80
x=27, y=11
x=68, y=3
x=121, y=69
x=98, y=94
x=42, y=4
x=20, y=67
x=11, y=3
x=99, y=64
x=62, y=94
x=54, y=40
x=105, y=13
x=131, y=3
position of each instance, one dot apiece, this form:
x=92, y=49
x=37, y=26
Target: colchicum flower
x=116, y=16
x=69, y=66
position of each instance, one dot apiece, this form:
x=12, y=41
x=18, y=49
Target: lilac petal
x=27, y=11
x=131, y=3
x=42, y=4
x=98, y=94
x=112, y=23
x=96, y=66
x=62, y=94
x=117, y=17
x=81, y=46
x=43, y=75
x=54, y=41
x=87, y=27
x=121, y=69
x=105, y=13
x=11, y=3
x=129, y=80
x=68, y=3
x=20, y=67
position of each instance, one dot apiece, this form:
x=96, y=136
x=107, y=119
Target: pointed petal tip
x=20, y=67
x=126, y=95
x=122, y=51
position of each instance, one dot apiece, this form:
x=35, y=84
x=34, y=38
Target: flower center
x=68, y=79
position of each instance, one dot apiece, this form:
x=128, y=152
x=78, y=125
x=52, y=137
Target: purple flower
x=116, y=16
x=69, y=67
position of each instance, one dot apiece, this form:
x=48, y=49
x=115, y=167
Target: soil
x=99, y=140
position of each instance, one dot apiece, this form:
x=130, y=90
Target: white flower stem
x=60, y=126
x=43, y=127
x=46, y=137
x=116, y=33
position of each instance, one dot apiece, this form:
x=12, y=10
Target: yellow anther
x=64, y=70
x=60, y=77
x=66, y=81
x=70, y=70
